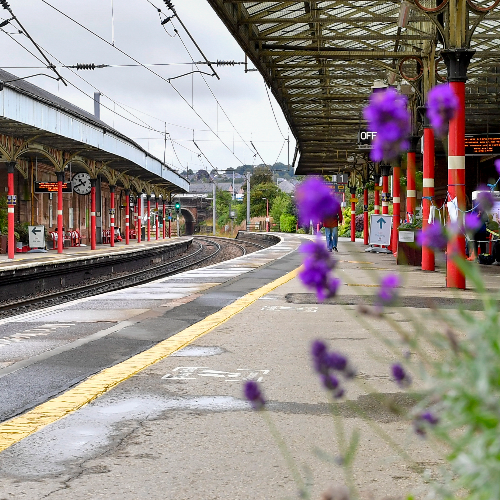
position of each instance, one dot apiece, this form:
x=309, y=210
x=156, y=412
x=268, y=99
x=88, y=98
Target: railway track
x=207, y=251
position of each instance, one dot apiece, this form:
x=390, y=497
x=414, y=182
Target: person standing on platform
x=331, y=225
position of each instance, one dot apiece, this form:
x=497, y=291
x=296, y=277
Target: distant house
x=286, y=186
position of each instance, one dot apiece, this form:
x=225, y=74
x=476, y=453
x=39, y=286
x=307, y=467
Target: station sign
x=365, y=139
x=52, y=187
x=482, y=144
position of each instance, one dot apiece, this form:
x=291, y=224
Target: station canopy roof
x=322, y=58
x=31, y=113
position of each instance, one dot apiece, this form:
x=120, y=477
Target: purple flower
x=317, y=270
x=423, y=420
x=399, y=375
x=485, y=199
x=433, y=236
x=497, y=166
x=315, y=201
x=330, y=382
x=327, y=362
x=387, y=293
x=442, y=104
x=472, y=222
x=336, y=361
x=388, y=116
x=253, y=394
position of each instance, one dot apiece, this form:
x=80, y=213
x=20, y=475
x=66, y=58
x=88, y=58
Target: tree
x=261, y=175
x=257, y=203
x=282, y=204
x=202, y=175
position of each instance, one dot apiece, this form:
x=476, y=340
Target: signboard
x=365, y=139
x=52, y=187
x=36, y=236
x=380, y=229
x=340, y=179
x=482, y=144
x=406, y=236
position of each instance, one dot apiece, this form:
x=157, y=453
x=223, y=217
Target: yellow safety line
x=18, y=428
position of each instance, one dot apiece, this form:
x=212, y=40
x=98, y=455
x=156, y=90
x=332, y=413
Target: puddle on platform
x=197, y=351
x=61, y=447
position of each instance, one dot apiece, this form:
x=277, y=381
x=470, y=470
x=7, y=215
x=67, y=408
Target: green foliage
x=288, y=223
x=3, y=215
x=261, y=175
x=411, y=226
x=257, y=203
x=419, y=180
x=21, y=228
x=282, y=204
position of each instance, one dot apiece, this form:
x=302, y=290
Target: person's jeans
x=331, y=234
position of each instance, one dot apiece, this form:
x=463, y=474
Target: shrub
x=288, y=223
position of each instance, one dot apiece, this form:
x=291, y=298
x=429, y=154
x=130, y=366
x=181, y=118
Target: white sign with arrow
x=36, y=236
x=380, y=229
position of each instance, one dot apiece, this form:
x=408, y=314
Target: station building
x=66, y=170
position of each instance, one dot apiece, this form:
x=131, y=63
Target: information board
x=479, y=145
x=52, y=187
x=380, y=229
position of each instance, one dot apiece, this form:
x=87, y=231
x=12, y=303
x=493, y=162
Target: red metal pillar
x=138, y=225
x=456, y=61
x=92, y=215
x=411, y=189
x=127, y=216
x=376, y=197
x=60, y=223
x=385, y=193
x=428, y=262
x=267, y=215
x=396, y=205
x=148, y=197
x=157, y=218
x=112, y=215
x=365, y=216
x=164, y=225
x=11, y=203
x=353, y=213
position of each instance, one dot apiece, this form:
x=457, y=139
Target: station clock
x=81, y=183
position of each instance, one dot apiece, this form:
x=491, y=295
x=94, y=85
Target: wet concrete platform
x=181, y=429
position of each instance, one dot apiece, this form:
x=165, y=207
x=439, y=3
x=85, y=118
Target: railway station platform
x=138, y=393
x=70, y=253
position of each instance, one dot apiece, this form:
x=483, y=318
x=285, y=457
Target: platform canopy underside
x=321, y=59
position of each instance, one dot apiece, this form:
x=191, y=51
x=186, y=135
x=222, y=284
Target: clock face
x=81, y=183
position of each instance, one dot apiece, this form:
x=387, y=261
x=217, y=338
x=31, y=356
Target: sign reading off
x=478, y=145
x=380, y=229
x=52, y=187
x=365, y=139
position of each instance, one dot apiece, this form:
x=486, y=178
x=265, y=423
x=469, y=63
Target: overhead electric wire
x=279, y=154
x=209, y=88
x=272, y=109
x=148, y=69
x=171, y=7
x=258, y=153
x=6, y=6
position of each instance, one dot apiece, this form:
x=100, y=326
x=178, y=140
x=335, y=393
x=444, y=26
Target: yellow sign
x=354, y=200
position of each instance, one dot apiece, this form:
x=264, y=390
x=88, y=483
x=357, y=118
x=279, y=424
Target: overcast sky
x=136, y=28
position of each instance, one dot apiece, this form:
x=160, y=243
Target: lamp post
x=267, y=213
